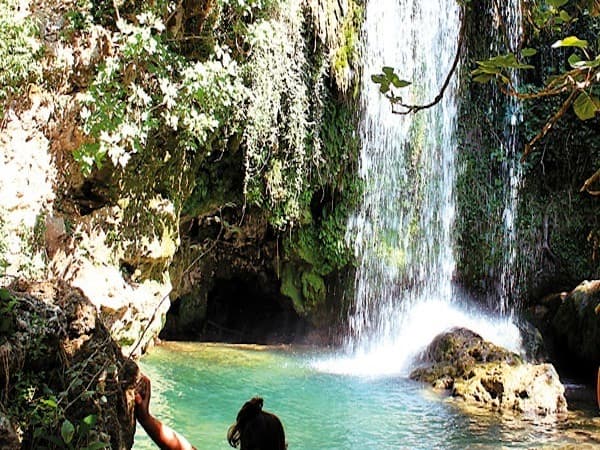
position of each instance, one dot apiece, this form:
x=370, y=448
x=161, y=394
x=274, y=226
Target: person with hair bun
x=254, y=428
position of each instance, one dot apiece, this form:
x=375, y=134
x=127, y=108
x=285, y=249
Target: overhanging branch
x=408, y=109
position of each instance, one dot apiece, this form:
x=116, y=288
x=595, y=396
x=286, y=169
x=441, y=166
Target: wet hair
x=256, y=429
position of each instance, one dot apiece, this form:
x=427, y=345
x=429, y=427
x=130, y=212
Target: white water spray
x=402, y=232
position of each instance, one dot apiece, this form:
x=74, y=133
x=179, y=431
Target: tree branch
x=550, y=123
x=416, y=108
x=588, y=183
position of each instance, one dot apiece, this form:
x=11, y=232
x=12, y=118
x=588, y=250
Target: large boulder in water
x=483, y=374
x=64, y=381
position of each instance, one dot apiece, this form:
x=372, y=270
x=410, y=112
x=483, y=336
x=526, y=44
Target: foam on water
x=421, y=324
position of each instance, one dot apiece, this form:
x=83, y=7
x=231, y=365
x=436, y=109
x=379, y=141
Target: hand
x=142, y=398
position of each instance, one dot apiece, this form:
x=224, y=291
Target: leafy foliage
x=581, y=81
x=19, y=50
x=145, y=91
x=388, y=77
x=319, y=248
x=282, y=147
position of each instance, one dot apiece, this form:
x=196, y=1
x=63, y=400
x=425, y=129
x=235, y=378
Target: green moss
x=291, y=288
x=345, y=58
x=318, y=248
x=313, y=287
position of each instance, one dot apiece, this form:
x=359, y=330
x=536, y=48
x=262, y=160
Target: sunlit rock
x=481, y=373
x=60, y=369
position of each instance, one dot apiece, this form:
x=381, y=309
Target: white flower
x=85, y=113
x=124, y=159
x=115, y=152
x=171, y=120
x=169, y=90
x=128, y=130
x=106, y=137
x=139, y=96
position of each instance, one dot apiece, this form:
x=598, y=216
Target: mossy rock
x=455, y=353
x=576, y=324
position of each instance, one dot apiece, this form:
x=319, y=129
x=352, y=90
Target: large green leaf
x=571, y=41
x=67, y=430
x=528, y=52
x=586, y=106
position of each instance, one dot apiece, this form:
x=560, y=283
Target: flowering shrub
x=144, y=91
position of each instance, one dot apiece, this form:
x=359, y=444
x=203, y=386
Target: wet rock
x=483, y=374
x=570, y=323
x=61, y=370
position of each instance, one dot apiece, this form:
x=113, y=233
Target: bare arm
x=165, y=437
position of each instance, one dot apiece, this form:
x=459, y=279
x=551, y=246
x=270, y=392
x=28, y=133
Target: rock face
x=481, y=373
x=570, y=323
x=65, y=382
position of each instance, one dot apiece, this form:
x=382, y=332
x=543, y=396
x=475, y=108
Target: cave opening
x=245, y=309
x=242, y=309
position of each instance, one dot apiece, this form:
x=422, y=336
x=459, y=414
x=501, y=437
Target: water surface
x=198, y=389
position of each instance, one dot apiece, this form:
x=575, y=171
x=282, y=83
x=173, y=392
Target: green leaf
x=51, y=402
x=526, y=52
x=5, y=295
x=397, y=82
x=586, y=106
x=574, y=61
x=67, y=430
x=565, y=16
x=379, y=78
x=389, y=71
x=487, y=70
x=571, y=41
x=90, y=420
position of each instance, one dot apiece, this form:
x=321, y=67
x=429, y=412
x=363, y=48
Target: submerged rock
x=65, y=382
x=484, y=374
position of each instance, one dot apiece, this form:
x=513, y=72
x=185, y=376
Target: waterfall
x=403, y=231
x=511, y=16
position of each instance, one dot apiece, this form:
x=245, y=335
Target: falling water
x=511, y=16
x=402, y=232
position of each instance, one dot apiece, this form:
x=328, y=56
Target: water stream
x=511, y=17
x=403, y=230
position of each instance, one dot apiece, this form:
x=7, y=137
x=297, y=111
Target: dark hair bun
x=250, y=410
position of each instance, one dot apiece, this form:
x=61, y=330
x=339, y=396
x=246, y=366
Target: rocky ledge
x=483, y=374
x=64, y=382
